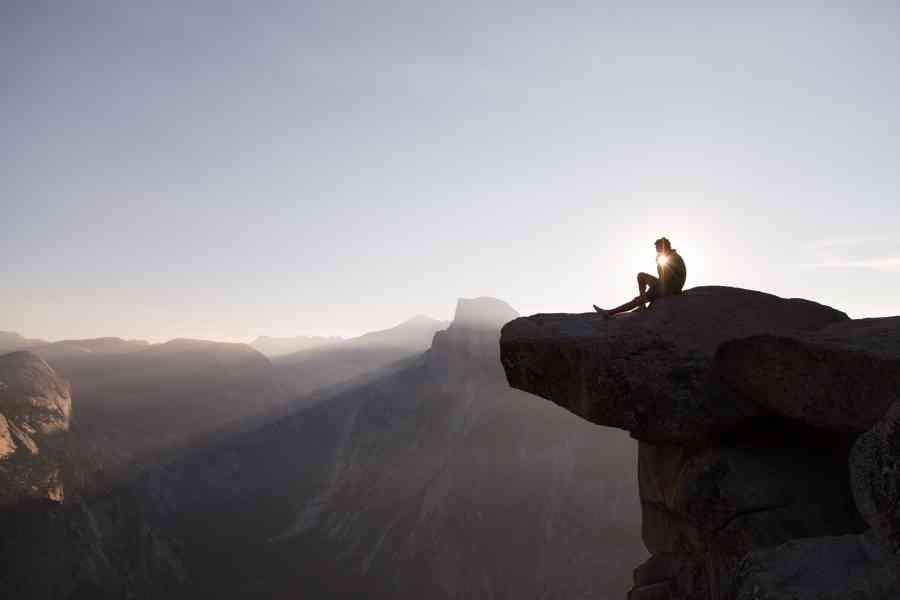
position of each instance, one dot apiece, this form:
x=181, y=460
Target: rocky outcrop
x=31, y=394
x=746, y=406
x=34, y=403
x=652, y=373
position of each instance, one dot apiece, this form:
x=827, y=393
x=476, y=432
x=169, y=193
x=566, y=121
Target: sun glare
x=662, y=259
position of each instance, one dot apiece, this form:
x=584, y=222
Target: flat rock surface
x=651, y=372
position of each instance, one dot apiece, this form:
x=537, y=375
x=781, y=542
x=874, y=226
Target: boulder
x=652, y=372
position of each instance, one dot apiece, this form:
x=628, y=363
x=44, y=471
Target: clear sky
x=223, y=170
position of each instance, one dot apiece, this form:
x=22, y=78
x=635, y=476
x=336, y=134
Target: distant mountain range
x=66, y=349
x=137, y=401
x=279, y=346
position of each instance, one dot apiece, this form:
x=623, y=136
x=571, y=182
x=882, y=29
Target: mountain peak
x=483, y=312
x=421, y=320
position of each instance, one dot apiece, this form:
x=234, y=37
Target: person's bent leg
x=646, y=282
x=643, y=282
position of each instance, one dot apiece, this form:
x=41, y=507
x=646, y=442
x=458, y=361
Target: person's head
x=663, y=245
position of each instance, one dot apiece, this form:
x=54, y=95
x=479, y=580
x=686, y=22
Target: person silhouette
x=671, y=271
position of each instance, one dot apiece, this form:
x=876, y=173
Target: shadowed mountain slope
x=133, y=405
x=303, y=372
x=435, y=480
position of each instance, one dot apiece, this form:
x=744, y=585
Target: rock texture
x=35, y=403
x=746, y=406
x=827, y=568
x=875, y=469
x=32, y=395
x=842, y=377
x=7, y=445
x=653, y=372
x=104, y=548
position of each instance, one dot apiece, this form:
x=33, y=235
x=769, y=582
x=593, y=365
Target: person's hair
x=666, y=244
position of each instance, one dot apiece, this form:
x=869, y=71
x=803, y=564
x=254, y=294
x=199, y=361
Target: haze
x=228, y=171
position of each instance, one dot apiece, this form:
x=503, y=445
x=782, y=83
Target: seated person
x=672, y=273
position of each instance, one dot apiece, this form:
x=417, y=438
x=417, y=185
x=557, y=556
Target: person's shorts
x=654, y=292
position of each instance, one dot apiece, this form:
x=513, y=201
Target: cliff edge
x=746, y=407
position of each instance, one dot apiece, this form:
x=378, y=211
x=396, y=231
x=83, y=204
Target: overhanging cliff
x=746, y=406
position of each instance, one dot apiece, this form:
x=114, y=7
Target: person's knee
x=644, y=277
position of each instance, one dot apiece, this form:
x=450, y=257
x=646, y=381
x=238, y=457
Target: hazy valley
x=396, y=464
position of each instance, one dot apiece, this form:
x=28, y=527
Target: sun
x=662, y=259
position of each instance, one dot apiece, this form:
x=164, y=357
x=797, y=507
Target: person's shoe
x=601, y=311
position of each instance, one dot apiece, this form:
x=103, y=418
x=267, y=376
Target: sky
x=227, y=170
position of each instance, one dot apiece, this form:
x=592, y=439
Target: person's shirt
x=673, y=274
